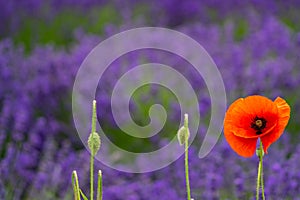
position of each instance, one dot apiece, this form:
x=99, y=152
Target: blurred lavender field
x=255, y=44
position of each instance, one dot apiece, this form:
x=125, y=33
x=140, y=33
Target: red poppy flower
x=253, y=117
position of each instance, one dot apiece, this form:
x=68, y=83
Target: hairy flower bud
x=94, y=142
x=183, y=133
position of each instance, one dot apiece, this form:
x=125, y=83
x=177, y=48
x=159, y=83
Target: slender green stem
x=188, y=190
x=92, y=177
x=262, y=173
x=99, y=190
x=186, y=160
x=94, y=118
x=260, y=181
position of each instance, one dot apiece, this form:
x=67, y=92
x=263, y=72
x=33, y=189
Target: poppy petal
x=243, y=146
x=242, y=112
x=237, y=119
x=283, y=118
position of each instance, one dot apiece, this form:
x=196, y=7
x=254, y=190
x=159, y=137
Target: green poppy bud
x=183, y=133
x=94, y=142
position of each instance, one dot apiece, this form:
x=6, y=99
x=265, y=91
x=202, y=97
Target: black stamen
x=258, y=124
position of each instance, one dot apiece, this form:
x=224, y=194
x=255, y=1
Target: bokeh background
x=255, y=44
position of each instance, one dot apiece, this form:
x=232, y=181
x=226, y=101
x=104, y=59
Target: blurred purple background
x=255, y=44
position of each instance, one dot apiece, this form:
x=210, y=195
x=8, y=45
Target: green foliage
x=144, y=97
x=83, y=195
x=59, y=29
x=291, y=20
x=241, y=30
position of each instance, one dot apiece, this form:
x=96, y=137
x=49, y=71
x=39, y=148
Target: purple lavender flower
x=37, y=135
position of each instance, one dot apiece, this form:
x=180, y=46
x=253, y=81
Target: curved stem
x=75, y=184
x=188, y=190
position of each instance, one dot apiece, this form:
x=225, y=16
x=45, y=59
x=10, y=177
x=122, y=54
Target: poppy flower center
x=258, y=124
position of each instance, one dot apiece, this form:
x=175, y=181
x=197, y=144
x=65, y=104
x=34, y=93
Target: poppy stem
x=183, y=135
x=99, y=190
x=75, y=184
x=188, y=190
x=260, y=181
x=262, y=172
x=92, y=177
x=94, y=117
x=94, y=144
